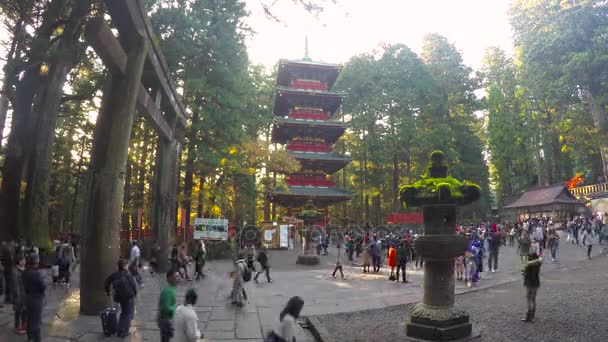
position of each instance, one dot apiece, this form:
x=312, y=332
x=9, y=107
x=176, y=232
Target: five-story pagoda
x=304, y=106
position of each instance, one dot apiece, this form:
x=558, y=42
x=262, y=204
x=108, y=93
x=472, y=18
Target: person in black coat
x=263, y=260
x=34, y=287
x=125, y=290
x=532, y=283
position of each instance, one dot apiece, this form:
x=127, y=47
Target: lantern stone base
x=308, y=260
x=439, y=324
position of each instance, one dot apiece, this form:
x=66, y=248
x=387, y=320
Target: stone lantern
x=309, y=215
x=436, y=318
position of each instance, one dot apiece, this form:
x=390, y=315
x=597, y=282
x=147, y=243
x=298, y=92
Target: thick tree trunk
x=396, y=204
x=48, y=100
x=20, y=137
x=600, y=121
x=105, y=181
x=126, y=198
x=189, y=175
x=165, y=187
x=77, y=186
x=9, y=73
x=199, y=205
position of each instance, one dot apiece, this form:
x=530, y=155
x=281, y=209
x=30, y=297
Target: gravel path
x=572, y=305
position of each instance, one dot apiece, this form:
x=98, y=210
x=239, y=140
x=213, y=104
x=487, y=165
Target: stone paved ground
x=572, y=305
x=219, y=321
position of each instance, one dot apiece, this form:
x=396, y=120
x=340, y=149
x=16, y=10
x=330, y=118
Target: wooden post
x=165, y=189
x=105, y=181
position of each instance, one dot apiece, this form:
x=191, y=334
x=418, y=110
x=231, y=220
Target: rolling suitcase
x=109, y=320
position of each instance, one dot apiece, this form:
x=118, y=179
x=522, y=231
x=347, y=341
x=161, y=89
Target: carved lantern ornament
x=436, y=318
x=438, y=188
x=309, y=213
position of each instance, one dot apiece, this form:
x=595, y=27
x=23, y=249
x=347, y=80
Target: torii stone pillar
x=105, y=180
x=436, y=318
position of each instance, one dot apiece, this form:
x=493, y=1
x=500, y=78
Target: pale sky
x=358, y=26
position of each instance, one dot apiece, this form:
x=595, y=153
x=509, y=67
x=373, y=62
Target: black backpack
x=122, y=287
x=246, y=274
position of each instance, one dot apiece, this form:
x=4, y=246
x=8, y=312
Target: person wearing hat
x=185, y=320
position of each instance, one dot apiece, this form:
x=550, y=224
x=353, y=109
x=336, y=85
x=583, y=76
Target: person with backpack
x=134, y=262
x=125, y=290
x=241, y=275
x=166, y=306
x=263, y=260
x=35, y=288
x=18, y=295
x=403, y=255
x=532, y=283
x=285, y=331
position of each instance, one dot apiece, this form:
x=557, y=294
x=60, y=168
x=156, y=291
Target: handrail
x=590, y=189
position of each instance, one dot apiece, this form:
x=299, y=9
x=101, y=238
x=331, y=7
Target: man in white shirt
x=134, y=263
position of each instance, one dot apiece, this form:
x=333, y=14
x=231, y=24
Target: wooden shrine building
x=553, y=201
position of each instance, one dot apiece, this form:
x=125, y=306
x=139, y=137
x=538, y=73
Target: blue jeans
x=554, y=247
x=127, y=311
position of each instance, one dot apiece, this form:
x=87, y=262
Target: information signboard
x=210, y=229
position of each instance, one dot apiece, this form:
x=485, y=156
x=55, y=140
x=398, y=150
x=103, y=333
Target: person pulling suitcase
x=125, y=291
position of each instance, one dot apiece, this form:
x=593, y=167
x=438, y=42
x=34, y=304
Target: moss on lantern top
x=436, y=187
x=309, y=213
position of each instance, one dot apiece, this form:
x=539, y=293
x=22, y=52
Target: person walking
x=375, y=250
x=239, y=293
x=34, y=287
x=166, y=307
x=532, y=283
x=494, y=245
x=134, y=262
x=589, y=238
x=263, y=260
x=524, y=247
x=285, y=331
x=553, y=239
x=199, y=260
x=185, y=320
x=339, y=262
x=125, y=290
x=18, y=295
x=366, y=259
x=391, y=260
x=403, y=254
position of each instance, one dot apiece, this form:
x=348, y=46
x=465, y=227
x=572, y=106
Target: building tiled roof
x=546, y=195
x=287, y=98
x=314, y=191
x=297, y=196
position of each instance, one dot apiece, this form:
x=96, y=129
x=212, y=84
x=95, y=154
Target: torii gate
x=136, y=70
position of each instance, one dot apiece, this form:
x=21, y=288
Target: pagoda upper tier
x=303, y=74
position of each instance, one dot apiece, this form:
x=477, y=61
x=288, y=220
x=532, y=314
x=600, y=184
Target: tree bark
x=598, y=113
x=105, y=181
x=396, y=204
x=9, y=73
x=199, y=205
x=46, y=106
x=165, y=187
x=189, y=175
x=20, y=137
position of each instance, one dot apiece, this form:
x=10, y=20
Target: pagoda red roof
x=290, y=70
x=287, y=98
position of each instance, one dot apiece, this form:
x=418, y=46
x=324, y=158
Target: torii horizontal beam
x=107, y=47
x=129, y=20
